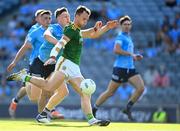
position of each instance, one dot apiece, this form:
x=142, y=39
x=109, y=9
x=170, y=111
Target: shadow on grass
x=61, y=125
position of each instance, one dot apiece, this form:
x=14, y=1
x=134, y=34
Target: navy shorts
x=37, y=68
x=121, y=75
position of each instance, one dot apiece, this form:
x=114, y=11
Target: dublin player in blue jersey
x=123, y=69
x=54, y=33
x=33, y=41
x=52, y=36
x=22, y=91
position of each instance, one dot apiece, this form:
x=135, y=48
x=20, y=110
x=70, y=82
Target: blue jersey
x=45, y=49
x=35, y=26
x=123, y=61
x=36, y=39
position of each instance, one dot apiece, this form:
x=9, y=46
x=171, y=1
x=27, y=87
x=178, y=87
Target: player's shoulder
x=36, y=32
x=120, y=36
x=37, y=29
x=53, y=25
x=70, y=26
x=57, y=27
x=33, y=27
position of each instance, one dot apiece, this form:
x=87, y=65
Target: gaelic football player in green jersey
x=67, y=66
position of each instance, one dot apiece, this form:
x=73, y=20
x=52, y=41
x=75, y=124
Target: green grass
x=31, y=125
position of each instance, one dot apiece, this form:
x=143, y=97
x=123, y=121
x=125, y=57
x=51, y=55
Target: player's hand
x=50, y=61
x=112, y=24
x=137, y=57
x=98, y=25
x=11, y=66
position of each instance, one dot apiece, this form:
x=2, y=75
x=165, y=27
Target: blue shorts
x=37, y=68
x=122, y=75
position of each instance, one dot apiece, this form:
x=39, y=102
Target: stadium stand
x=97, y=59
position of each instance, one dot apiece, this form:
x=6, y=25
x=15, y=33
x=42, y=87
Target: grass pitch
x=65, y=125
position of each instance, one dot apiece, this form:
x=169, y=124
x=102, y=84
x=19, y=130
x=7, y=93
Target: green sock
x=27, y=78
x=89, y=116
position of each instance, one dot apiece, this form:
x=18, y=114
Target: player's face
x=38, y=19
x=83, y=19
x=46, y=20
x=126, y=26
x=64, y=19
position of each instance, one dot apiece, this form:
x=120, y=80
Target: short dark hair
x=80, y=9
x=47, y=12
x=59, y=11
x=124, y=18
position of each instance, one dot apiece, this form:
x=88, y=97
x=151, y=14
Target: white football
x=88, y=86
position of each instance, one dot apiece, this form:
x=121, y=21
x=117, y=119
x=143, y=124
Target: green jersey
x=73, y=48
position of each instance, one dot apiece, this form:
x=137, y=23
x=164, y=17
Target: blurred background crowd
x=155, y=32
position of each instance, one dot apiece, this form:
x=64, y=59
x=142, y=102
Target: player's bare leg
x=45, y=95
x=33, y=92
x=85, y=99
x=57, y=97
x=112, y=87
x=13, y=106
x=86, y=104
x=52, y=84
x=43, y=100
x=56, y=79
x=54, y=100
x=138, y=83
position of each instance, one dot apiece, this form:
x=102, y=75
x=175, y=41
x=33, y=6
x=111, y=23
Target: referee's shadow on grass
x=62, y=125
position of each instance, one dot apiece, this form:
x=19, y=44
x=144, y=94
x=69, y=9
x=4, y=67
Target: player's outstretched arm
x=49, y=37
x=98, y=29
x=56, y=49
x=109, y=25
x=26, y=46
x=89, y=33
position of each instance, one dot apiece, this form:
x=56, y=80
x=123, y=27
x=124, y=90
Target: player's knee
x=48, y=88
x=33, y=98
x=140, y=89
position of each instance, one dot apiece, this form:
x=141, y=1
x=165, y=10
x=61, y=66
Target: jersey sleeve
x=31, y=29
x=69, y=32
x=50, y=28
x=119, y=40
x=31, y=37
